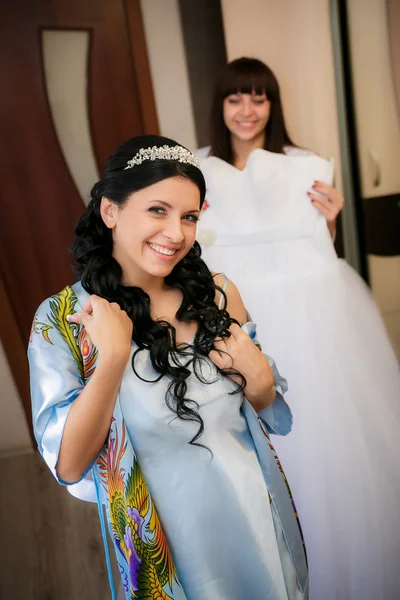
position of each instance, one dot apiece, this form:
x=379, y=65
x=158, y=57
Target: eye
x=259, y=100
x=191, y=218
x=157, y=210
x=233, y=99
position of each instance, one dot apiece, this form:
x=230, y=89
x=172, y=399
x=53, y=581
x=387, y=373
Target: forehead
x=244, y=83
x=176, y=191
x=247, y=93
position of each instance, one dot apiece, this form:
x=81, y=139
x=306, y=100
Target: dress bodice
x=257, y=211
x=199, y=491
x=153, y=420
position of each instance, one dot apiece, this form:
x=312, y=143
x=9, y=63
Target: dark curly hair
x=101, y=274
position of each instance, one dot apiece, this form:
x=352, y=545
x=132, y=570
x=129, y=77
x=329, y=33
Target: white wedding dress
x=317, y=318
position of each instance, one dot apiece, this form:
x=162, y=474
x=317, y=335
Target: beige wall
x=168, y=68
x=385, y=282
x=294, y=39
x=393, y=17
x=377, y=116
x=65, y=67
x=376, y=70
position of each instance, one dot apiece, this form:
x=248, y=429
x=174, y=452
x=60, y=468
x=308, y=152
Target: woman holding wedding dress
x=268, y=223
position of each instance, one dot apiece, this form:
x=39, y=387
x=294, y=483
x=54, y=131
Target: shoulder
x=50, y=318
x=294, y=151
x=202, y=153
x=235, y=305
x=61, y=303
x=65, y=296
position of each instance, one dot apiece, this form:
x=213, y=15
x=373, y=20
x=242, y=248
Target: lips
x=246, y=124
x=163, y=249
x=162, y=252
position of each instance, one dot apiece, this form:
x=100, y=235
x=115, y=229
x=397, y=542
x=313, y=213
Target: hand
x=240, y=353
x=331, y=205
x=109, y=327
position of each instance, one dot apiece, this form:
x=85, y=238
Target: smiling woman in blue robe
x=147, y=375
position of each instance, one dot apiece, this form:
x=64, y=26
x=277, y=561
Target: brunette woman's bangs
x=246, y=79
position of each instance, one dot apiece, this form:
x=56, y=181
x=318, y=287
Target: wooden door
x=39, y=191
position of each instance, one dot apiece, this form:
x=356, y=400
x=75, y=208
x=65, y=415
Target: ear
x=108, y=211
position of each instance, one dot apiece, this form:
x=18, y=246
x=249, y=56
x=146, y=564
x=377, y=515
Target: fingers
x=94, y=303
x=235, y=330
x=217, y=359
x=225, y=349
x=323, y=210
x=329, y=191
x=323, y=188
x=329, y=207
x=316, y=198
x=223, y=360
x=80, y=318
x=215, y=355
x=88, y=307
x=225, y=343
x=220, y=344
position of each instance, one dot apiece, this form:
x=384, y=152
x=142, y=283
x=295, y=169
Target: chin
x=245, y=136
x=161, y=270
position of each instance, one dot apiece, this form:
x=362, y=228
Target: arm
x=272, y=410
x=235, y=305
x=330, y=203
x=240, y=353
x=332, y=228
x=71, y=421
x=90, y=416
x=89, y=420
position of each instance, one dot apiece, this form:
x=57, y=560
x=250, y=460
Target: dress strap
x=224, y=286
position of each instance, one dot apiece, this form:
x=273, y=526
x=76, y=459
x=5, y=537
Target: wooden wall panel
x=39, y=202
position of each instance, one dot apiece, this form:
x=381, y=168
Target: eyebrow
x=169, y=206
x=252, y=93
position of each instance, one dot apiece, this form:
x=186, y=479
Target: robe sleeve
x=56, y=380
x=277, y=417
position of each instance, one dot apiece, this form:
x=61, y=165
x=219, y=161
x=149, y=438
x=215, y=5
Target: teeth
x=162, y=250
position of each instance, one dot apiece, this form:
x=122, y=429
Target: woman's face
x=155, y=228
x=246, y=115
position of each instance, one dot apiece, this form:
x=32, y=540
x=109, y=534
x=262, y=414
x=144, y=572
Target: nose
x=247, y=106
x=173, y=230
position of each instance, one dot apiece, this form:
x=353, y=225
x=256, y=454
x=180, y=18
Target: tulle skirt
x=342, y=457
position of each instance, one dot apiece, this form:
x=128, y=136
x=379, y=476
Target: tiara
x=178, y=153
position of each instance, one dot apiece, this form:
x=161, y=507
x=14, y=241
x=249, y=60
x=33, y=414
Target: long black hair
x=101, y=274
x=247, y=76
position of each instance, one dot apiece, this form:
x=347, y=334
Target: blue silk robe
x=225, y=527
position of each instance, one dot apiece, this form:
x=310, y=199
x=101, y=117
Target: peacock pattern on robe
x=144, y=558
x=74, y=335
